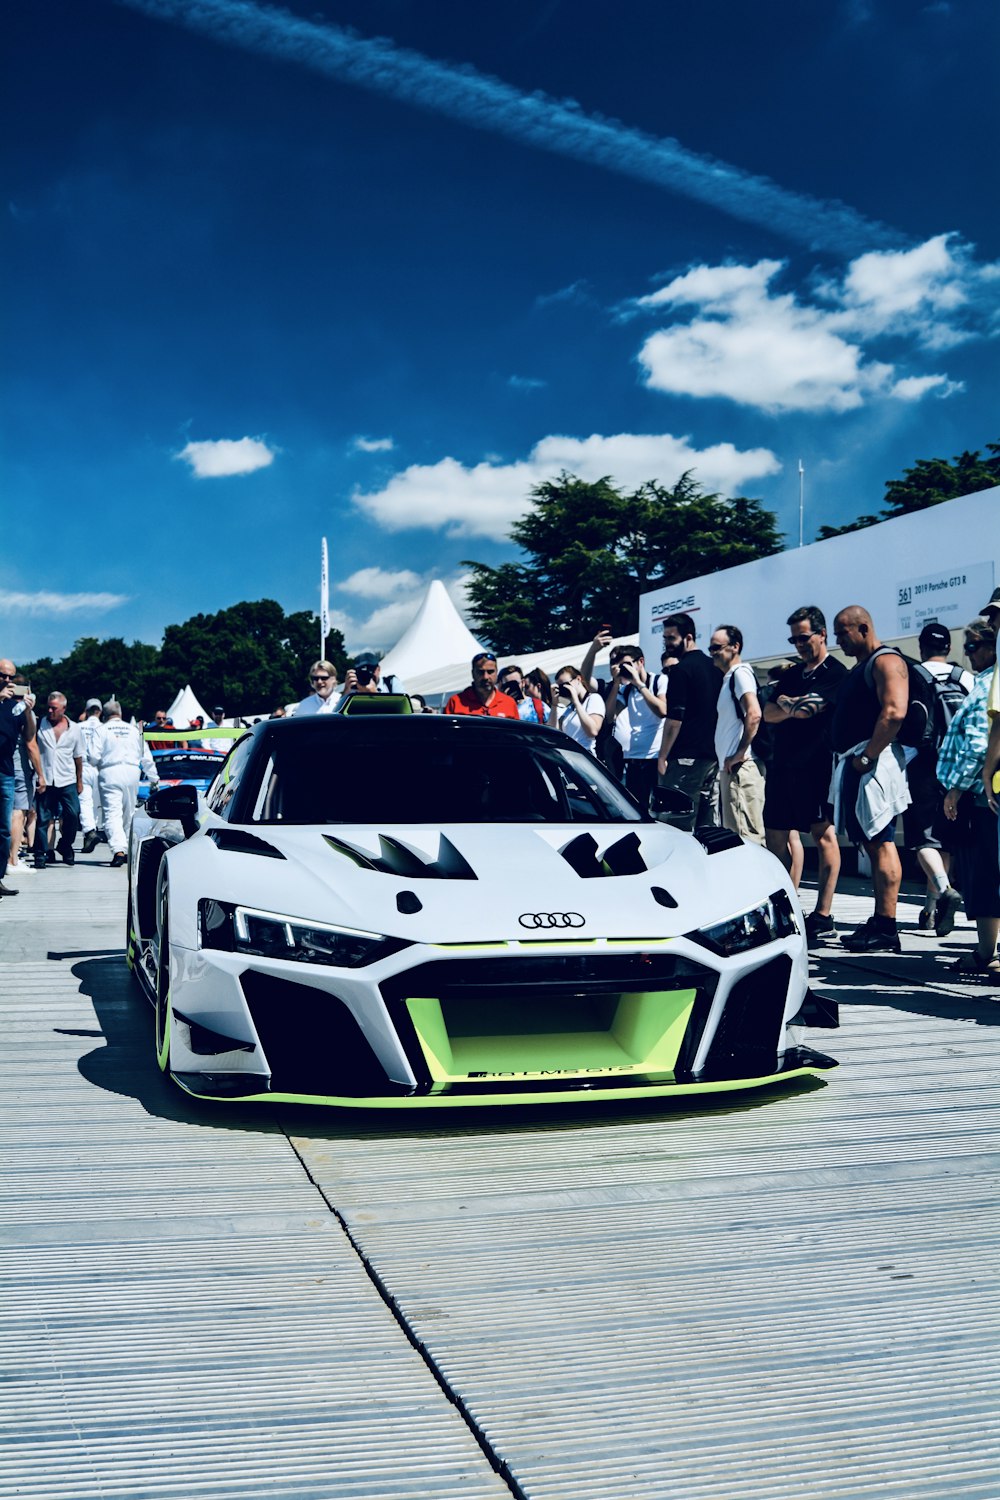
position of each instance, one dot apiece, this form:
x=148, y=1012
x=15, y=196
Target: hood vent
x=238, y=841
x=715, y=840
x=396, y=858
x=621, y=858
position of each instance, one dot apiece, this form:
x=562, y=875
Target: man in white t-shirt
x=741, y=780
x=324, y=696
x=638, y=700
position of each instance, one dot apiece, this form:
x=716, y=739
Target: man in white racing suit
x=91, y=817
x=121, y=752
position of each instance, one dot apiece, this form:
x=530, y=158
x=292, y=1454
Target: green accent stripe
x=541, y=1096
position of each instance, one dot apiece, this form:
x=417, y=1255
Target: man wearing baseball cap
x=925, y=829
x=483, y=696
x=91, y=816
x=991, y=611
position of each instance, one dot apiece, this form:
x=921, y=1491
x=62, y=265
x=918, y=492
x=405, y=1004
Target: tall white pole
x=802, y=480
x=324, y=601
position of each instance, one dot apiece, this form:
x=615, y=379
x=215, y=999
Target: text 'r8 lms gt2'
x=424, y=911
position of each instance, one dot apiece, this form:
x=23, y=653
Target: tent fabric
x=437, y=636
x=457, y=675
x=186, y=707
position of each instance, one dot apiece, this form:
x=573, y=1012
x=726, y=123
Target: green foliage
x=248, y=657
x=591, y=549
x=929, y=482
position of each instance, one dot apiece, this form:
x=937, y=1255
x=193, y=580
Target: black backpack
x=762, y=744
x=932, y=702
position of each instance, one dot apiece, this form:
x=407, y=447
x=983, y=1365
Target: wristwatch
x=865, y=760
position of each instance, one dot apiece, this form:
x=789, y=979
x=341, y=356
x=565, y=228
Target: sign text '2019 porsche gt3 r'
x=426, y=911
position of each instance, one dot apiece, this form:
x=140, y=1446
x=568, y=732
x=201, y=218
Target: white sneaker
x=14, y=872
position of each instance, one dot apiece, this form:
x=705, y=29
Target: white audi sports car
x=417, y=911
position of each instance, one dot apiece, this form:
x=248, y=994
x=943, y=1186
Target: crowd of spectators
x=817, y=750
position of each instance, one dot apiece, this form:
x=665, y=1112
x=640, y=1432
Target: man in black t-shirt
x=798, y=779
x=687, y=760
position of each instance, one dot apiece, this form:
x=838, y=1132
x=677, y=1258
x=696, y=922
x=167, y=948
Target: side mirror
x=671, y=802
x=178, y=803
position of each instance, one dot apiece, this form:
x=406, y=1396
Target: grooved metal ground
x=786, y=1295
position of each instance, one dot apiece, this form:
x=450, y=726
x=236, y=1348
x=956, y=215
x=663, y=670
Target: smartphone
x=21, y=689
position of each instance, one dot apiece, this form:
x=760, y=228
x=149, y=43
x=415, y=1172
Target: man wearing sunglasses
x=798, y=780
x=324, y=697
x=17, y=723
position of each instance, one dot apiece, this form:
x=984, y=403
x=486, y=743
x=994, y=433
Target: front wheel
x=163, y=984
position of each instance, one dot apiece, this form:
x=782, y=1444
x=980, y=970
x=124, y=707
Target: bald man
x=869, y=713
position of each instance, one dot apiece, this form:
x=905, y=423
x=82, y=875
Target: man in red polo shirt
x=483, y=696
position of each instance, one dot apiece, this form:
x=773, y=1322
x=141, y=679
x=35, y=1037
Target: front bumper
x=507, y=1023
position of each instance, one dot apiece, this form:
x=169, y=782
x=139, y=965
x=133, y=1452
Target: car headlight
x=264, y=934
x=772, y=919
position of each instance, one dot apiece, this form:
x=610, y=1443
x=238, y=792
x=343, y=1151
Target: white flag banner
x=324, y=596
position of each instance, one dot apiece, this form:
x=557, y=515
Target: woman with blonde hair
x=584, y=715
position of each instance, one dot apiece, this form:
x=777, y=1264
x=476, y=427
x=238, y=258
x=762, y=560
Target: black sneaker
x=90, y=841
x=7, y=890
x=819, y=928
x=869, y=939
x=947, y=906
x=40, y=861
x=118, y=860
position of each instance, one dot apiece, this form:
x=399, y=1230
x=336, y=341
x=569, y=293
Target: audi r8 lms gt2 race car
x=422, y=911
x=196, y=767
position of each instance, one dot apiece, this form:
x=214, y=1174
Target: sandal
x=971, y=966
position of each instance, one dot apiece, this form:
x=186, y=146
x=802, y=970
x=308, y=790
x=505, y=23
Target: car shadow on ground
x=913, y=983
x=126, y=1064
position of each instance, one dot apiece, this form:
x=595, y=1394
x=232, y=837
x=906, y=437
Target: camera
x=513, y=690
x=564, y=691
x=364, y=674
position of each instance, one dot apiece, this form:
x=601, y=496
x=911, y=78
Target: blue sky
x=370, y=270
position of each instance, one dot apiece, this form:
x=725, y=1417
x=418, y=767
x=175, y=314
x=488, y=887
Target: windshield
x=364, y=779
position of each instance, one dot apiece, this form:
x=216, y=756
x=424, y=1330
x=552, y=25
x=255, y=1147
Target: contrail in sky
x=461, y=93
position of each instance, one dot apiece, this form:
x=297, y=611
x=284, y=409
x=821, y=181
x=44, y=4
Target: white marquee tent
x=437, y=636
x=185, y=708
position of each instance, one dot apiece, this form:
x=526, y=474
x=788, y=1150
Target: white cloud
x=45, y=603
x=376, y=583
x=771, y=350
x=485, y=499
x=525, y=383
x=226, y=456
x=373, y=445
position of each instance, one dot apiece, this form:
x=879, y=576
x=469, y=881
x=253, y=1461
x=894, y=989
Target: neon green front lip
x=536, y=1096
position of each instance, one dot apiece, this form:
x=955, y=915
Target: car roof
x=441, y=727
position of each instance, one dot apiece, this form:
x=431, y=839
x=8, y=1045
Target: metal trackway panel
x=180, y=1313
x=793, y=1295
x=783, y=1295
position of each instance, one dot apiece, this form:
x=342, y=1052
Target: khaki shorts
x=743, y=800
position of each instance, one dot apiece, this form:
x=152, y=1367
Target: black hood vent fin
x=397, y=858
x=621, y=858
x=239, y=841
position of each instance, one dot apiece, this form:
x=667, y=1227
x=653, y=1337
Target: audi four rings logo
x=536, y=919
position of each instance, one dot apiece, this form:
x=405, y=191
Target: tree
x=591, y=549
x=929, y=482
x=248, y=657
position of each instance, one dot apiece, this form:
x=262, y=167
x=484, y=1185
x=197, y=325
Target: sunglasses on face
x=320, y=677
x=800, y=640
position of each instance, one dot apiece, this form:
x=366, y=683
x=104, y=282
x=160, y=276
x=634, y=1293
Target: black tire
x=163, y=983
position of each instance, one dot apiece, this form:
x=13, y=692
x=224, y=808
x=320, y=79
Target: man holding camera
x=638, y=702
x=17, y=723
x=366, y=677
